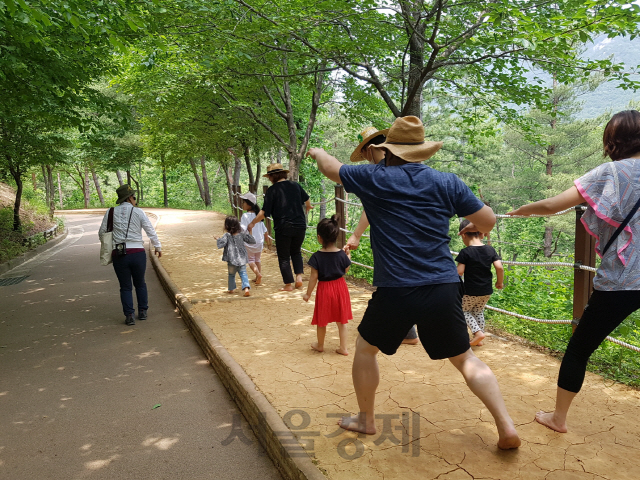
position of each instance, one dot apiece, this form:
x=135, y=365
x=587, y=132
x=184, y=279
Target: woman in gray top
x=235, y=253
x=129, y=258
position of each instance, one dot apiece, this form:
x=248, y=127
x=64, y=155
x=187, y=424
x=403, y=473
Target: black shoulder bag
x=121, y=248
x=621, y=227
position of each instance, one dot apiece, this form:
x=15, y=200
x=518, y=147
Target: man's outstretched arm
x=329, y=166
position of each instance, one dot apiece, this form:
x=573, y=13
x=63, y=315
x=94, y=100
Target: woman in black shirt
x=284, y=202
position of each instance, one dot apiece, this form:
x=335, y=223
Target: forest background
x=185, y=98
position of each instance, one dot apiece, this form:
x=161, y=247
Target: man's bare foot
x=410, y=341
x=258, y=280
x=341, y=351
x=316, y=347
x=247, y=292
x=355, y=425
x=230, y=291
x=298, y=284
x=287, y=288
x=480, y=344
x=477, y=338
x=508, y=438
x=546, y=419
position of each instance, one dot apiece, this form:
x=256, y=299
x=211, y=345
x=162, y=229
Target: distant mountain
x=608, y=96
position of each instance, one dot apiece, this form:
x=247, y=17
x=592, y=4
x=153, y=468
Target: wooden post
x=267, y=221
x=340, y=211
x=582, y=279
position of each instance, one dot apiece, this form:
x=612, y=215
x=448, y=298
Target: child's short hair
x=463, y=224
x=232, y=225
x=328, y=230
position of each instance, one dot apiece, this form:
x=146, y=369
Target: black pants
x=288, y=243
x=602, y=315
x=128, y=267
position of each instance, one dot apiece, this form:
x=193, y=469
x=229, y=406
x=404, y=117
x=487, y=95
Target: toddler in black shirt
x=474, y=262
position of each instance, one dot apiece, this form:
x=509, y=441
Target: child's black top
x=477, y=260
x=330, y=265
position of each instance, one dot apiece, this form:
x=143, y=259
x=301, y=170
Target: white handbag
x=106, y=241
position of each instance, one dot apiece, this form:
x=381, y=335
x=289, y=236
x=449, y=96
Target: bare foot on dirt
x=341, y=351
x=317, y=348
x=230, y=291
x=480, y=344
x=355, y=425
x=298, y=284
x=247, y=292
x=258, y=280
x=546, y=419
x=287, y=288
x=410, y=341
x=477, y=338
x=508, y=438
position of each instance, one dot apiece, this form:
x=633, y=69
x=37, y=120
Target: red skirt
x=333, y=303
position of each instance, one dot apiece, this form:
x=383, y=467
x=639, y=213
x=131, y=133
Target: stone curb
x=261, y=415
x=14, y=262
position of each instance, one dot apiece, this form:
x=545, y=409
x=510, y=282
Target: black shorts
x=435, y=309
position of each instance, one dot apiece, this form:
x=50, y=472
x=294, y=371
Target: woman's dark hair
x=328, y=230
x=232, y=225
x=621, y=137
x=463, y=224
x=276, y=177
x=252, y=206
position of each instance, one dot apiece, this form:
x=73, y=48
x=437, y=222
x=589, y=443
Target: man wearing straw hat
x=409, y=206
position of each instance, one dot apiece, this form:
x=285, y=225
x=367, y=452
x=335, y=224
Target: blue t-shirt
x=409, y=207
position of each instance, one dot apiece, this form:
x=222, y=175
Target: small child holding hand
x=474, y=262
x=328, y=267
x=235, y=253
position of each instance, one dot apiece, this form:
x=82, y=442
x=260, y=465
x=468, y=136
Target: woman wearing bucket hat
x=129, y=258
x=285, y=202
x=368, y=137
x=409, y=206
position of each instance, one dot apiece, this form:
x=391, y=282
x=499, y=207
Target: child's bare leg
x=254, y=269
x=342, y=331
x=366, y=378
x=412, y=337
x=259, y=274
x=557, y=420
x=319, y=345
x=482, y=382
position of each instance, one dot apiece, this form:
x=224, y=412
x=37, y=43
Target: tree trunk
x=548, y=241
x=415, y=30
x=119, y=175
x=205, y=182
x=137, y=186
x=229, y=178
x=164, y=181
x=48, y=188
x=17, y=177
x=34, y=181
x=194, y=169
x=141, y=198
x=52, y=197
x=237, y=168
x=323, y=198
x=60, y=191
x=96, y=182
x=247, y=161
x=87, y=188
x=128, y=177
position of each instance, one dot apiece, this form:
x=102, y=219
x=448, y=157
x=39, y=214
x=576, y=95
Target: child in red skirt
x=328, y=267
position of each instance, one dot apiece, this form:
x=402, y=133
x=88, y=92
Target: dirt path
x=429, y=423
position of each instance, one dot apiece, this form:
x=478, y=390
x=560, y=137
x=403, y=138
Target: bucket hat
x=275, y=168
x=124, y=191
x=250, y=197
x=405, y=139
x=365, y=136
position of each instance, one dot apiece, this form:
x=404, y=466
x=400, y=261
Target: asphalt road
x=78, y=387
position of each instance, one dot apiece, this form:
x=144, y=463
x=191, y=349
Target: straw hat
x=364, y=137
x=406, y=140
x=124, y=192
x=250, y=197
x=275, y=168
